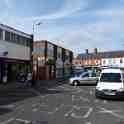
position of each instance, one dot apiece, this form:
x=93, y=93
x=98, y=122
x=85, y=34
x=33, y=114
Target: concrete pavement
x=63, y=104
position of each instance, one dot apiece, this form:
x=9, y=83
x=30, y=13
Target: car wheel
x=75, y=83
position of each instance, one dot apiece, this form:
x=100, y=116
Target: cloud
x=103, y=34
x=69, y=7
x=9, y=3
x=103, y=27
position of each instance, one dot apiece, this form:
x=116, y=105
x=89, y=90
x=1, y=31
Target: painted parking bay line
x=23, y=121
x=111, y=112
x=82, y=116
x=8, y=121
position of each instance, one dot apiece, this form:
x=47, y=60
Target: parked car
x=83, y=78
x=110, y=84
x=25, y=78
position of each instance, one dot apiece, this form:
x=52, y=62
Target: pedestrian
x=33, y=80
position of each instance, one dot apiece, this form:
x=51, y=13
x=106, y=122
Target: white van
x=110, y=83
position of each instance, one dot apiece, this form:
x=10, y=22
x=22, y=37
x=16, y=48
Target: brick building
x=51, y=61
x=96, y=59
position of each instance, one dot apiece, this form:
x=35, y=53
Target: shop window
x=114, y=61
x=110, y=61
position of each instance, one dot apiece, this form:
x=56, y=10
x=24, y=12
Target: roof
x=41, y=41
x=110, y=70
x=10, y=29
x=108, y=54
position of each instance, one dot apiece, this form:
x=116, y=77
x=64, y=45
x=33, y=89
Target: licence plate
x=110, y=93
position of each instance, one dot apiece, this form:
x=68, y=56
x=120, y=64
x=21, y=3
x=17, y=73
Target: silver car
x=84, y=78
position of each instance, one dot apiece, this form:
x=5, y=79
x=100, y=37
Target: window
x=121, y=61
x=7, y=36
x=110, y=61
x=28, y=42
x=12, y=37
x=85, y=75
x=104, y=61
x=1, y=34
x=42, y=50
x=110, y=77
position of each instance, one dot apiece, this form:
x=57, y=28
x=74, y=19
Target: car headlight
x=121, y=90
x=98, y=88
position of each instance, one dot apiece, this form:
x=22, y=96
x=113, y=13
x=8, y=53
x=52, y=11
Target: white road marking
x=65, y=88
x=8, y=121
x=69, y=112
x=25, y=121
x=74, y=98
x=38, y=93
x=56, y=109
x=34, y=105
x=105, y=101
x=96, y=100
x=112, y=112
x=91, y=93
x=88, y=123
x=35, y=109
x=79, y=90
x=82, y=116
x=72, y=114
x=88, y=113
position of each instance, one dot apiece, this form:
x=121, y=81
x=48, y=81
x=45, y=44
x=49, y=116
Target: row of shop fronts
x=51, y=61
x=15, y=53
x=18, y=53
x=9, y=69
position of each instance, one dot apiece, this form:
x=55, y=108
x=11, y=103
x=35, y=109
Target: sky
x=73, y=24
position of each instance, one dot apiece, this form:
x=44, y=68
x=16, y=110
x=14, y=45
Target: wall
x=15, y=51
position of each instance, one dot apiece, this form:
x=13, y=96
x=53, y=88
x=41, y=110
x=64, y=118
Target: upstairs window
x=121, y=61
x=7, y=36
x=1, y=34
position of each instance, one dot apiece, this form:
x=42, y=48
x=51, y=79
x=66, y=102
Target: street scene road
x=58, y=104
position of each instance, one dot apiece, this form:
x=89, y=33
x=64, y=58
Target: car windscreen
x=77, y=74
x=110, y=77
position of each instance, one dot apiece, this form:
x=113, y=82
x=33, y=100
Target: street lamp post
x=36, y=23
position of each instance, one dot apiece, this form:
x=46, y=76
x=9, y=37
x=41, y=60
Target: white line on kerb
x=8, y=121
